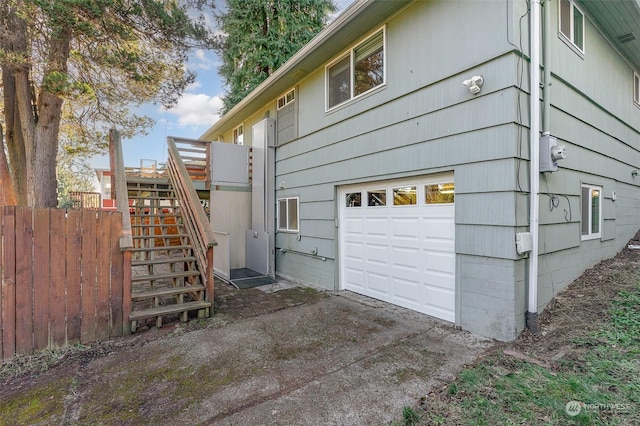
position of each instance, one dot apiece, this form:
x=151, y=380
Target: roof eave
x=304, y=61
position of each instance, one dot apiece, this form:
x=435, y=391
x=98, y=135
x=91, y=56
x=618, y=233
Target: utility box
x=550, y=153
x=524, y=243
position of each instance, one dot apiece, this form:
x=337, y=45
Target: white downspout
x=534, y=165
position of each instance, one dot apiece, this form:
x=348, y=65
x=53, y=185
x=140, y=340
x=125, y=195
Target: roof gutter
x=340, y=21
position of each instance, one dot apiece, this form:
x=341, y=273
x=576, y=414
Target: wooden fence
x=63, y=278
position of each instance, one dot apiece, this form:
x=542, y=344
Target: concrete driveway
x=343, y=360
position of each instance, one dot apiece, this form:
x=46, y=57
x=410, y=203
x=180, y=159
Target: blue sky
x=194, y=113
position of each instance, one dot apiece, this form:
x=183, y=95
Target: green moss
x=43, y=404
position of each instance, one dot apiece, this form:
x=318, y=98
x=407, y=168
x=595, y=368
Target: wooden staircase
x=166, y=279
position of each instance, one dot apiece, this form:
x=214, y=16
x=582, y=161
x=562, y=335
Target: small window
x=591, y=203
x=238, y=135
x=359, y=71
x=404, y=196
x=377, y=198
x=572, y=23
x=354, y=199
x=286, y=99
x=636, y=89
x=288, y=214
x=441, y=193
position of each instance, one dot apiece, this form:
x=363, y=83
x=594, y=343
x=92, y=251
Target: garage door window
x=377, y=198
x=404, y=196
x=353, y=199
x=441, y=193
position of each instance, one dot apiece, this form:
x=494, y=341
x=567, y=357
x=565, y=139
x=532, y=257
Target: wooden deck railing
x=195, y=155
x=119, y=184
x=194, y=217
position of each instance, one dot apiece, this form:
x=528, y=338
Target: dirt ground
x=580, y=308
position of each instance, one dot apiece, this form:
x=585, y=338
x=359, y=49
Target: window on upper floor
x=572, y=23
x=636, y=89
x=357, y=72
x=591, y=203
x=238, y=135
x=287, y=98
x=288, y=214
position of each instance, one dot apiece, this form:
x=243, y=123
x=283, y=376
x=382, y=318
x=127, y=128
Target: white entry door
x=397, y=242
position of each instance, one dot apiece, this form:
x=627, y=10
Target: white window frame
x=238, y=135
x=286, y=227
x=351, y=55
x=636, y=89
x=286, y=99
x=588, y=215
x=570, y=38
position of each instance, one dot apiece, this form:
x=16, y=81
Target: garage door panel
x=376, y=227
x=354, y=251
x=401, y=254
x=404, y=228
x=377, y=283
x=440, y=298
x=378, y=254
x=439, y=261
x=438, y=281
x=406, y=291
x=353, y=226
x=405, y=257
x=354, y=279
x=439, y=229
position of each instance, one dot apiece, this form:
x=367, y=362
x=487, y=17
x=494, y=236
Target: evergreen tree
x=259, y=36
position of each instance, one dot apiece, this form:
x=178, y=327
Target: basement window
x=591, y=206
x=572, y=24
x=288, y=218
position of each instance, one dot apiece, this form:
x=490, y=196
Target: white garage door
x=397, y=243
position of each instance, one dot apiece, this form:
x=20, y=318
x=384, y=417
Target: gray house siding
x=423, y=121
x=594, y=116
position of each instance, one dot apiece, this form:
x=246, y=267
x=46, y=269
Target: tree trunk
x=7, y=195
x=13, y=38
x=42, y=179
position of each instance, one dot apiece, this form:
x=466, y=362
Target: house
x=404, y=159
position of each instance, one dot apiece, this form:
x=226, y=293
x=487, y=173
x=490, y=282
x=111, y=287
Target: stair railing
x=195, y=219
x=119, y=189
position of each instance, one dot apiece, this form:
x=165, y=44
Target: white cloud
x=197, y=109
x=201, y=60
x=193, y=86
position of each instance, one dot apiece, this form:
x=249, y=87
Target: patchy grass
x=37, y=362
x=594, y=380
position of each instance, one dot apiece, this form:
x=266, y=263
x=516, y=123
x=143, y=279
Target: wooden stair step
x=169, y=291
x=156, y=277
x=157, y=225
x=138, y=249
x=147, y=180
x=149, y=197
x=168, y=309
x=175, y=215
x=159, y=236
x=167, y=214
x=163, y=260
